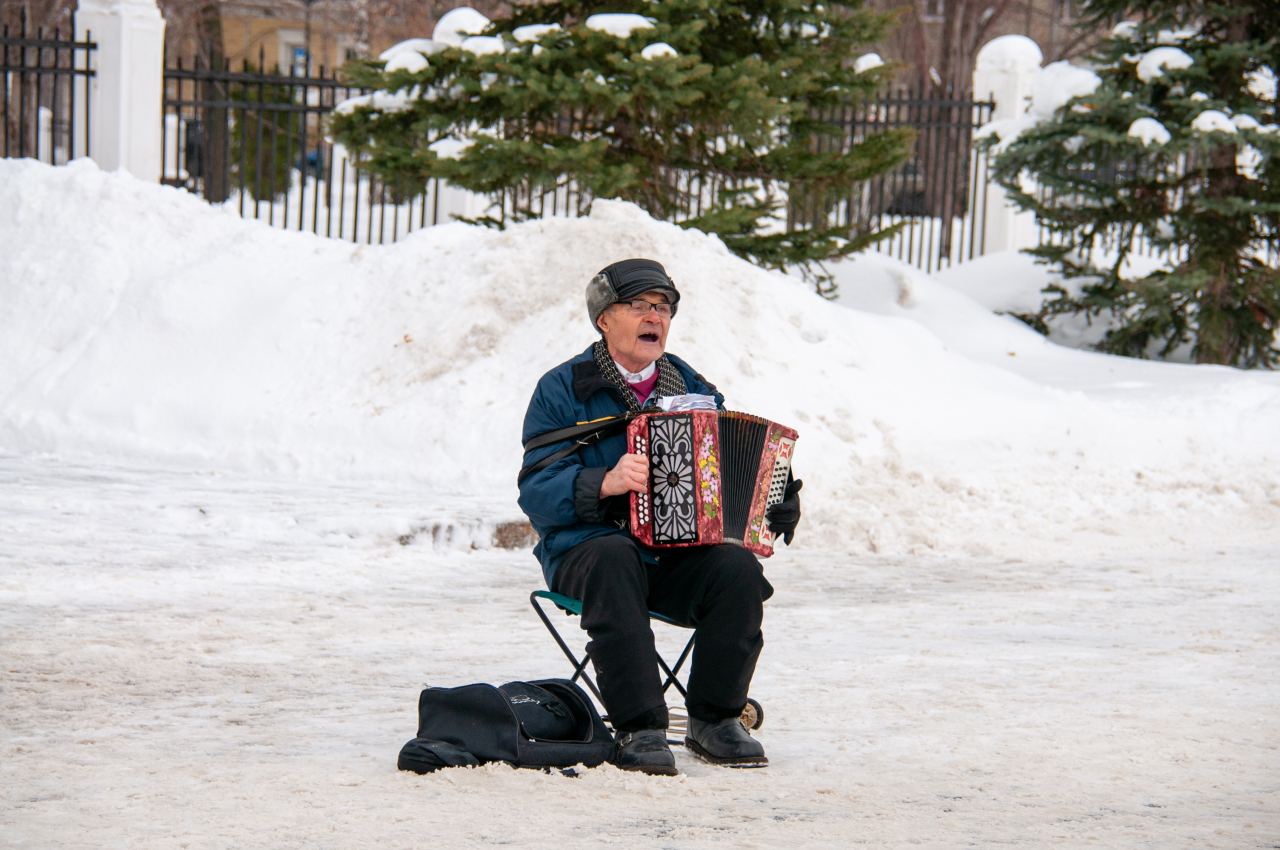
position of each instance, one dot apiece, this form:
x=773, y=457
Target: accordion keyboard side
x=641, y=507
x=771, y=485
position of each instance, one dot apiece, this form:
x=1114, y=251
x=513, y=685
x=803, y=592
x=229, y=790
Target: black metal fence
x=939, y=195
x=45, y=109
x=256, y=141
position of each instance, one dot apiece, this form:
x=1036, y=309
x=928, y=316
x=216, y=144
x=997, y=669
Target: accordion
x=712, y=476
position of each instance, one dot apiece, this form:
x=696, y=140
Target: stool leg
x=671, y=672
x=579, y=667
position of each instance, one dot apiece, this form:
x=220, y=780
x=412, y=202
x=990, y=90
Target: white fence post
x=125, y=101
x=1005, y=72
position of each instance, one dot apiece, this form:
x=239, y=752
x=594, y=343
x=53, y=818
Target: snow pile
x=424, y=46
x=1148, y=130
x=658, y=50
x=482, y=45
x=1057, y=84
x=619, y=25
x=450, y=148
x=454, y=26
x=1248, y=122
x=1213, y=121
x=169, y=332
x=533, y=32
x=1262, y=83
x=407, y=60
x=1052, y=89
x=1154, y=62
x=866, y=62
x=1125, y=29
x=1176, y=36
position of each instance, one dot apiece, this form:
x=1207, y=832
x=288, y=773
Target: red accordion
x=712, y=476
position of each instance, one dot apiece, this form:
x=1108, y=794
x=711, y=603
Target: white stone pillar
x=1005, y=71
x=125, y=96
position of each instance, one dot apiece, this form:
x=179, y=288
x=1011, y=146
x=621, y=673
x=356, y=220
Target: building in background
x=292, y=36
x=295, y=34
x=937, y=41
x=37, y=15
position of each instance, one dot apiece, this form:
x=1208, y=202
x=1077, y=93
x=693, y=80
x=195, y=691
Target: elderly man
x=578, y=503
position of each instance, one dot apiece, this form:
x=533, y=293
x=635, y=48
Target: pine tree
x=713, y=113
x=1179, y=146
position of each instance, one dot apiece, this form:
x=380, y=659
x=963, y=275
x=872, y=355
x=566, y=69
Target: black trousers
x=717, y=590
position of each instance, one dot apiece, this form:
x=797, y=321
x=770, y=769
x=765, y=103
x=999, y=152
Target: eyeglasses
x=640, y=307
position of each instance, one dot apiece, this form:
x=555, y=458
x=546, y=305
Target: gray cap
x=627, y=279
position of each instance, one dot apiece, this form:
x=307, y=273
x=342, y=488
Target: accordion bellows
x=712, y=476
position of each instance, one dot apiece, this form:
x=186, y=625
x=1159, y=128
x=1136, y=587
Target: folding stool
x=752, y=715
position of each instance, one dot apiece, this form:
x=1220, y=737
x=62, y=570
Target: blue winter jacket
x=563, y=501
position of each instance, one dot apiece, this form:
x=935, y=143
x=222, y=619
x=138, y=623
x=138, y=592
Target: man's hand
x=785, y=516
x=630, y=473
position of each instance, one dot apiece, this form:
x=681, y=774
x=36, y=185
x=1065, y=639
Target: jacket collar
x=588, y=380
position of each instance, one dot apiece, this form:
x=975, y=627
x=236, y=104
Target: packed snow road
x=207, y=660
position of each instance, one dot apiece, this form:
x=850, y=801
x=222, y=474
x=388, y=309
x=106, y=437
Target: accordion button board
x=712, y=477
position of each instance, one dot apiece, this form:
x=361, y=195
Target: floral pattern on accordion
x=709, y=475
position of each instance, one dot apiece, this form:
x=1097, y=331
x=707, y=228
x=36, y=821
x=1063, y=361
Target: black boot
x=645, y=750
x=725, y=742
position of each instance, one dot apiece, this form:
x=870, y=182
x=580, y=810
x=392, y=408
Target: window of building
x=935, y=10
x=289, y=43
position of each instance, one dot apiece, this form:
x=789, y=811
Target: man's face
x=636, y=338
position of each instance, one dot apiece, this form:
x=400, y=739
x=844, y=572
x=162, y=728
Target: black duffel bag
x=544, y=724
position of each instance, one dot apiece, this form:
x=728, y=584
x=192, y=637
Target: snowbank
x=140, y=323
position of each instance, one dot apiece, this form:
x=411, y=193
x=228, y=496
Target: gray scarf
x=669, y=381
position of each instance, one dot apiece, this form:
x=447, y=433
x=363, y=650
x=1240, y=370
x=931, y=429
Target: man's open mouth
x=649, y=337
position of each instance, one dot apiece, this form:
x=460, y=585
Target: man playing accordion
x=577, y=498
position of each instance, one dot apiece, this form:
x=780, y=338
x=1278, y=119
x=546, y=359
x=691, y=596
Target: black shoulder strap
x=573, y=431
x=583, y=435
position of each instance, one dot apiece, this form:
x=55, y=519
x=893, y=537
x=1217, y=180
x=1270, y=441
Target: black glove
x=785, y=516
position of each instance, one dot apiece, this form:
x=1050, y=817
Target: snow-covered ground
x=250, y=484
x=197, y=660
